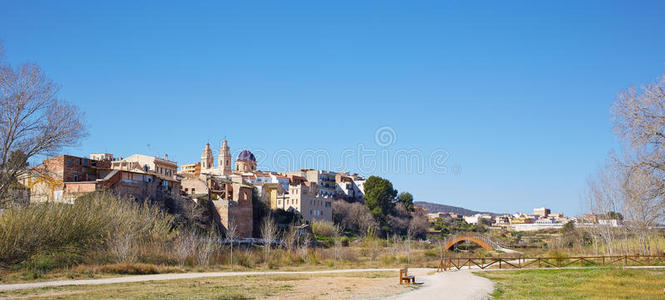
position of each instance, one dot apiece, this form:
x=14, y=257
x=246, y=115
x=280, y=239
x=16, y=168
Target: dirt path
x=140, y=278
x=462, y=284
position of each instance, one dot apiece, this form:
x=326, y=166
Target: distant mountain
x=435, y=207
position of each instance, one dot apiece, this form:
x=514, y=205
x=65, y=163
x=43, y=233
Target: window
x=76, y=178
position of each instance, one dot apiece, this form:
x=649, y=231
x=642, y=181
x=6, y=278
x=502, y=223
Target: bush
x=323, y=228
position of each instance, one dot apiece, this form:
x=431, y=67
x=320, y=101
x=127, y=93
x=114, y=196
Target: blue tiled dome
x=245, y=155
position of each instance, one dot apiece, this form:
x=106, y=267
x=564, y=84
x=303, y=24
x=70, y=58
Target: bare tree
x=304, y=246
x=231, y=235
x=185, y=245
x=644, y=206
x=206, y=247
x=640, y=121
x=604, y=194
x=33, y=121
x=290, y=238
x=337, y=242
x=269, y=235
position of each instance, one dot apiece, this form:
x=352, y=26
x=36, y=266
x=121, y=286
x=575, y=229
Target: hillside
x=435, y=207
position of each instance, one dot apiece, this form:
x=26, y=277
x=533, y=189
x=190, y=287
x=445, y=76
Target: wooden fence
x=458, y=263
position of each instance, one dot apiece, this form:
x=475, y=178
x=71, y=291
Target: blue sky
x=516, y=94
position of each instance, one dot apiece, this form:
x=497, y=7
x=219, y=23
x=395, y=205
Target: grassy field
x=324, y=286
x=606, y=283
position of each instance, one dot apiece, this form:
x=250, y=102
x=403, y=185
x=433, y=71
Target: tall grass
x=100, y=221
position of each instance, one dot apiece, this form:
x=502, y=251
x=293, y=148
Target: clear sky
x=506, y=104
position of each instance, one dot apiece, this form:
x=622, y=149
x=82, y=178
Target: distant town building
x=190, y=169
x=101, y=156
x=477, y=217
x=541, y=212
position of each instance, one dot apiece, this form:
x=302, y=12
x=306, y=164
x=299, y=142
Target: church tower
x=207, y=160
x=224, y=159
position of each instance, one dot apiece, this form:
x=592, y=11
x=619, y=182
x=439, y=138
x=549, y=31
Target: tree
x=639, y=116
x=604, y=194
x=379, y=198
x=643, y=206
x=231, y=235
x=353, y=217
x=33, y=121
x=269, y=235
x=407, y=199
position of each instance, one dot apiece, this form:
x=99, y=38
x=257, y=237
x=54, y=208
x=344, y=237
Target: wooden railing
x=482, y=263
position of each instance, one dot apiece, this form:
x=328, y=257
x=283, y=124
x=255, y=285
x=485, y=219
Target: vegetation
x=379, y=198
x=578, y=284
x=449, y=226
x=632, y=187
x=59, y=234
x=33, y=122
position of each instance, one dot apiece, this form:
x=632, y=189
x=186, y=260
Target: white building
x=325, y=180
x=162, y=166
x=477, y=217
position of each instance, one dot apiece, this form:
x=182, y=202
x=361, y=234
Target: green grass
x=603, y=283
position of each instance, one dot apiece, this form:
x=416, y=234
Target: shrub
x=324, y=229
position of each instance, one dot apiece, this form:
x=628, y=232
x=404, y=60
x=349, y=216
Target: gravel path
x=462, y=284
x=140, y=278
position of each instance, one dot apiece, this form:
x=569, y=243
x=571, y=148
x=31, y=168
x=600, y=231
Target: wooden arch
x=463, y=238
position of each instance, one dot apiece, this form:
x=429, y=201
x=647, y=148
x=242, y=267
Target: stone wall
x=238, y=211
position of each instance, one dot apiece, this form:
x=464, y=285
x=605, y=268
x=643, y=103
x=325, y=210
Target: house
x=64, y=178
x=158, y=165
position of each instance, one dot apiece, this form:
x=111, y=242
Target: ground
x=371, y=285
x=604, y=283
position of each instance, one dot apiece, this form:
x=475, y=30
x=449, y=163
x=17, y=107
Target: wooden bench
x=404, y=276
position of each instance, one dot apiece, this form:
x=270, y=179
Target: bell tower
x=224, y=159
x=207, y=160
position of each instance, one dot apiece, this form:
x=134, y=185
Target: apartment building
x=305, y=199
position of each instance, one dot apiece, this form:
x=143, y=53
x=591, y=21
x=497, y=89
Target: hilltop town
x=232, y=184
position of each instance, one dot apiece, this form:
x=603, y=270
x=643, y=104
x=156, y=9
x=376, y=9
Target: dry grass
x=137, y=269
x=579, y=284
x=327, y=286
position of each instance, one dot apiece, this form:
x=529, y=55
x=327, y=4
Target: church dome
x=245, y=155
